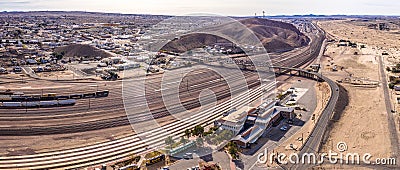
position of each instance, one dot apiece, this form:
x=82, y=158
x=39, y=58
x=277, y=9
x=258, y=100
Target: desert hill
x=275, y=36
x=81, y=50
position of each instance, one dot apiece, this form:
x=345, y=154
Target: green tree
x=198, y=130
x=183, y=140
x=169, y=141
x=391, y=86
x=187, y=133
x=233, y=150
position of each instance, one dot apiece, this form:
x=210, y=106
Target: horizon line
x=121, y=13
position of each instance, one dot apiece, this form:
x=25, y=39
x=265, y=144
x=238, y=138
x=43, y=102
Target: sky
x=219, y=7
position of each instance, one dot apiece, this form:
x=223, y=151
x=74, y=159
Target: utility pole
x=187, y=86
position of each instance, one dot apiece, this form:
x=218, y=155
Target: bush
x=391, y=85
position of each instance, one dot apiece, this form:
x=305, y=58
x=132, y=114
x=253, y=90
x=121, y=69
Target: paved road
x=312, y=144
x=392, y=126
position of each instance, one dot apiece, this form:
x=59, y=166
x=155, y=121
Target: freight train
x=19, y=100
x=13, y=97
x=37, y=104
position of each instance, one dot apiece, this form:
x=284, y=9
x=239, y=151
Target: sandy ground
x=363, y=125
x=358, y=31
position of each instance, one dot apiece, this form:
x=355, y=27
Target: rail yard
x=92, y=107
x=88, y=90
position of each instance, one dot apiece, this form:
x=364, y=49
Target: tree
x=183, y=140
x=391, y=86
x=187, y=133
x=169, y=140
x=233, y=150
x=198, y=130
x=200, y=142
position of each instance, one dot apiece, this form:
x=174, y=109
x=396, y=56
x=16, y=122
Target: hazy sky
x=221, y=7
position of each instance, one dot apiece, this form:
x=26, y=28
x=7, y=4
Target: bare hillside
x=275, y=36
x=80, y=50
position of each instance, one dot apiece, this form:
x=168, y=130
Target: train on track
x=20, y=97
x=17, y=99
x=37, y=104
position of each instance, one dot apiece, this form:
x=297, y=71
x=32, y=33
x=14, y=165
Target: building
x=268, y=114
x=234, y=121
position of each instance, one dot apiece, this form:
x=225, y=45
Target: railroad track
x=136, y=144
x=109, y=151
x=121, y=120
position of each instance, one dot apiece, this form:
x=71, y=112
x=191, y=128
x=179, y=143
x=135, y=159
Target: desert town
x=87, y=90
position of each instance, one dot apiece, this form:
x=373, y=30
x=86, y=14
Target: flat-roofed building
x=235, y=121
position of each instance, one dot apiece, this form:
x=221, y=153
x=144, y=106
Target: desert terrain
x=363, y=125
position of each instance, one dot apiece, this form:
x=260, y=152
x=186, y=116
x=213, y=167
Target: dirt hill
x=275, y=36
x=81, y=50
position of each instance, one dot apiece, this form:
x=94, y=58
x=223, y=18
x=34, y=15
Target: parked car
x=284, y=128
x=17, y=69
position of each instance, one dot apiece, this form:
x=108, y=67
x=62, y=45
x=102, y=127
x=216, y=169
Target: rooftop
x=238, y=115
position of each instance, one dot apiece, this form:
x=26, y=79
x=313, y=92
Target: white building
x=234, y=121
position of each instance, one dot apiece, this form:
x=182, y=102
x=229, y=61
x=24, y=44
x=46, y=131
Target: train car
x=68, y=102
x=18, y=93
x=11, y=104
x=102, y=93
x=89, y=95
x=30, y=104
x=62, y=97
x=47, y=98
x=49, y=95
x=35, y=98
x=76, y=96
x=19, y=98
x=48, y=103
x=30, y=98
x=5, y=98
